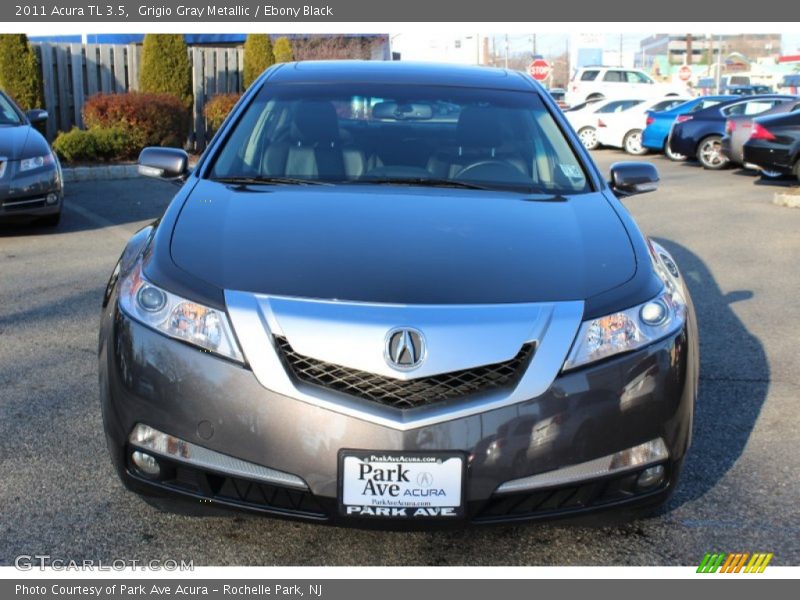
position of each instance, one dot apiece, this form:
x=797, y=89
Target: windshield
x=8, y=114
x=400, y=135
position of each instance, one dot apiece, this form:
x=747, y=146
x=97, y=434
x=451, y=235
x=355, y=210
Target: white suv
x=615, y=82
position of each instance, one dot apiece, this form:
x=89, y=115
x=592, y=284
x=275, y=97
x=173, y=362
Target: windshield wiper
x=269, y=180
x=423, y=181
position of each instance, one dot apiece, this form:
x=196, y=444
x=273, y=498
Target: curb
x=100, y=173
x=790, y=200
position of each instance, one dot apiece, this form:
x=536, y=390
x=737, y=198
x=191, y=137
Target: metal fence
x=73, y=72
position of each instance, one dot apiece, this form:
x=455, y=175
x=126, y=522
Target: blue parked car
x=659, y=123
x=699, y=134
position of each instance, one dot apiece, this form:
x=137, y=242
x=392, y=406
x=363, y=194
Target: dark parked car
x=700, y=134
x=774, y=144
x=659, y=123
x=356, y=297
x=31, y=185
x=738, y=129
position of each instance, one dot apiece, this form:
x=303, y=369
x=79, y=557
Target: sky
x=555, y=43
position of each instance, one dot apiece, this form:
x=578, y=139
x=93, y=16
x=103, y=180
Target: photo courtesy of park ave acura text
x=280, y=288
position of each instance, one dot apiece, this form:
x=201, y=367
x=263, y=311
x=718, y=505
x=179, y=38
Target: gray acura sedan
x=397, y=295
x=31, y=185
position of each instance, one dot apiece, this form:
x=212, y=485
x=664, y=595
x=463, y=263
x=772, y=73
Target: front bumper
x=592, y=412
x=25, y=195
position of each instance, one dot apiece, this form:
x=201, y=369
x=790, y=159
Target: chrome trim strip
x=352, y=334
x=12, y=203
x=199, y=456
x=655, y=452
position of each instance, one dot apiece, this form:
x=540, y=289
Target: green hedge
x=283, y=50
x=166, y=68
x=258, y=56
x=20, y=74
x=91, y=145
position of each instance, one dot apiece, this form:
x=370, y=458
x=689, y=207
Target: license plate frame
x=443, y=466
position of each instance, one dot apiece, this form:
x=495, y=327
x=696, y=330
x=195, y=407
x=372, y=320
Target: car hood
x=21, y=141
x=400, y=244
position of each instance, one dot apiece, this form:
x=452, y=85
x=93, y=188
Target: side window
x=636, y=77
x=667, y=104
x=610, y=107
x=589, y=75
x=759, y=106
x=734, y=110
x=613, y=76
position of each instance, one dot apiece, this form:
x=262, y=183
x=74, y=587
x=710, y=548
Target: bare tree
x=332, y=47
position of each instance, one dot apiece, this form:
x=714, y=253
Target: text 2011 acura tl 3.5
x=397, y=295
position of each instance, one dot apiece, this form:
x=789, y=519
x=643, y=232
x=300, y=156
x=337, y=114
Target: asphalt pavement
x=740, y=487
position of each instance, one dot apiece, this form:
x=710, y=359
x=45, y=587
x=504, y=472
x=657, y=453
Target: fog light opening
x=52, y=198
x=147, y=464
x=651, y=477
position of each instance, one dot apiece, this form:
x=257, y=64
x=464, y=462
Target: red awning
x=789, y=58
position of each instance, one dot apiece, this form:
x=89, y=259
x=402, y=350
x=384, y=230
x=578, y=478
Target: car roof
x=738, y=99
x=399, y=72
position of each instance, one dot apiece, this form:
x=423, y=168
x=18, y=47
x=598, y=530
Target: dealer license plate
x=401, y=485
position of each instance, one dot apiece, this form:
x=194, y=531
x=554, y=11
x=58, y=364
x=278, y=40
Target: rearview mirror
x=163, y=163
x=37, y=115
x=630, y=178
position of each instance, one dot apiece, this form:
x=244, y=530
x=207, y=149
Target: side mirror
x=37, y=115
x=163, y=163
x=630, y=178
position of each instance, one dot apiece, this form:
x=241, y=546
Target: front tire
x=633, y=143
x=588, y=137
x=709, y=153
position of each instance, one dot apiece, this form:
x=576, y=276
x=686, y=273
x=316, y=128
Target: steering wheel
x=492, y=170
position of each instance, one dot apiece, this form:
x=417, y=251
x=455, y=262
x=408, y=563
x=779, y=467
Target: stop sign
x=539, y=69
x=685, y=73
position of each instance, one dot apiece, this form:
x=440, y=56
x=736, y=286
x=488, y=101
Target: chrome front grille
x=404, y=394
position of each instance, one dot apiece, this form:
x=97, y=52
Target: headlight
x=632, y=328
x=177, y=317
x=28, y=164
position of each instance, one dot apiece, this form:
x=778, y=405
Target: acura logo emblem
x=405, y=348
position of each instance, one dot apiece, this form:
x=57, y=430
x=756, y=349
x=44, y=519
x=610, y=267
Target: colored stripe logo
x=738, y=562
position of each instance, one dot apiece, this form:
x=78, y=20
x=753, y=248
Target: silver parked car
x=738, y=129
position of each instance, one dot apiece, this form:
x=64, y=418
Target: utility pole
x=534, y=44
x=688, y=60
x=506, y=51
x=620, y=50
x=719, y=62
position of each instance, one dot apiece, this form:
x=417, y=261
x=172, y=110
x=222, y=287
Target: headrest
x=480, y=127
x=315, y=122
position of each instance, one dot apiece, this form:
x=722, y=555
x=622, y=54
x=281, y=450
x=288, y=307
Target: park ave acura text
x=397, y=295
